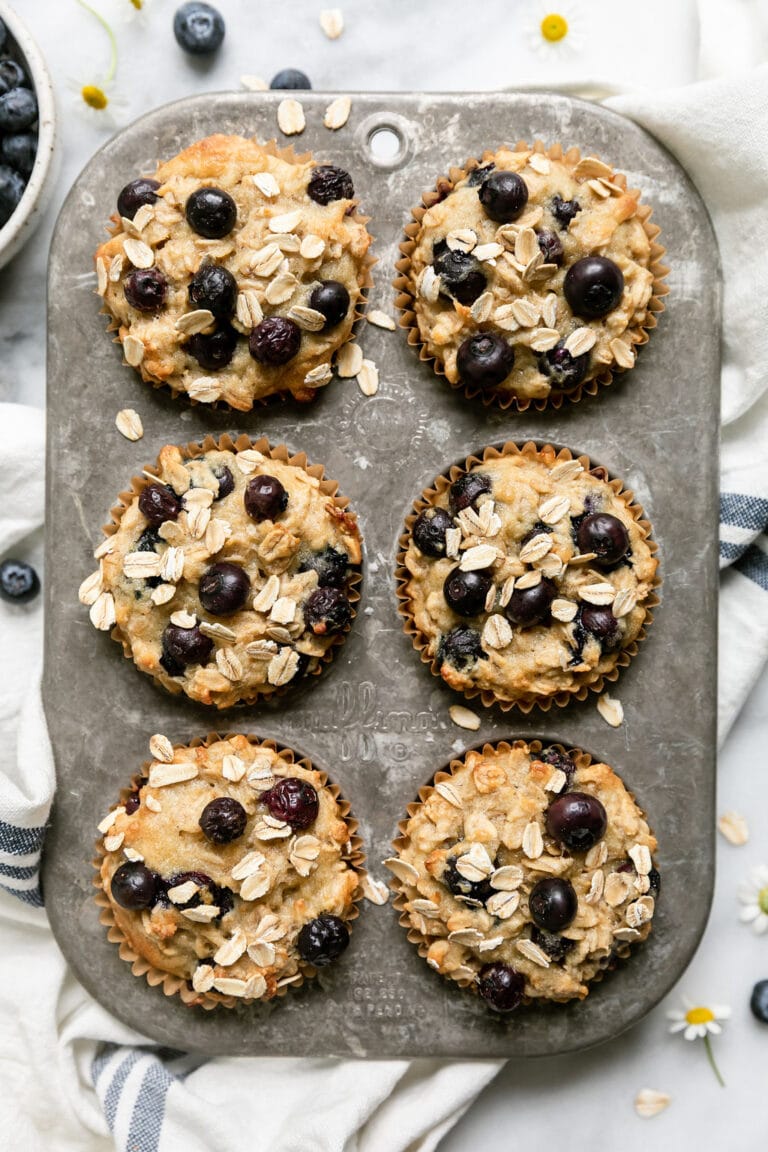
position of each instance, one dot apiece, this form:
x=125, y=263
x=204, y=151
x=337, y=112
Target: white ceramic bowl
x=30, y=208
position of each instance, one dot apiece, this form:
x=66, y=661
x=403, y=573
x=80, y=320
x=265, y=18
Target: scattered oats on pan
x=290, y=117
x=464, y=717
x=337, y=113
x=381, y=320
x=610, y=710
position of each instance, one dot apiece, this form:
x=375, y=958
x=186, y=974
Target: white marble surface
x=575, y=1102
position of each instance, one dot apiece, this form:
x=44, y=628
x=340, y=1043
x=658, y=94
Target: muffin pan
x=376, y=720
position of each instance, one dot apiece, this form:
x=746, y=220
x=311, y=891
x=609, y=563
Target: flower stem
x=112, y=41
x=711, y=1058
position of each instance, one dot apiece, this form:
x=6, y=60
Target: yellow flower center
x=94, y=97
x=699, y=1016
x=554, y=27
x=762, y=899
x=138, y=4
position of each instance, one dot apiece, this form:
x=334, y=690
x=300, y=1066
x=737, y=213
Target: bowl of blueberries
x=27, y=134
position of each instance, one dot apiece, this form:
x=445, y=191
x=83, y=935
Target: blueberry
x=159, y=503
x=20, y=151
x=12, y=75
x=564, y=210
x=19, y=583
x=503, y=195
x=467, y=490
x=136, y=194
x=461, y=647
x=331, y=565
x=560, y=761
x=226, y=481
x=323, y=940
x=461, y=276
x=430, y=529
x=134, y=886
x=466, y=592
x=501, y=986
x=294, y=801
x=265, y=498
x=223, y=820
x=556, y=947
x=12, y=186
x=224, y=589
x=550, y=246
x=328, y=183
x=478, y=175
x=183, y=646
x=3, y=34
x=221, y=898
x=605, y=535
x=531, y=605
x=593, y=286
x=132, y=804
x=563, y=370
x=214, y=288
x=213, y=351
x=18, y=110
x=145, y=289
x=327, y=610
x=479, y=890
x=758, y=1001
x=654, y=879
x=290, y=78
x=198, y=28
x=553, y=903
x=149, y=540
x=485, y=360
x=211, y=212
x=601, y=623
x=332, y=299
x=275, y=341
x=576, y=820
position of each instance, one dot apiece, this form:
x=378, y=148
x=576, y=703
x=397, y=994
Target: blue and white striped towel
x=70, y=1068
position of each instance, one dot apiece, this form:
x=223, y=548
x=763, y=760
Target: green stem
x=711, y=1058
x=112, y=41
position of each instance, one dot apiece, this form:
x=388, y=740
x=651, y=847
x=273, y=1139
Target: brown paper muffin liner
x=423, y=942
x=402, y=576
x=225, y=443
x=405, y=298
x=307, y=393
x=173, y=985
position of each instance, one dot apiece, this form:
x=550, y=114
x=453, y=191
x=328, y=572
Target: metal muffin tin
x=376, y=720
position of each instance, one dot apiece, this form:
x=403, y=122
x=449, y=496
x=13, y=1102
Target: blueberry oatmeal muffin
x=530, y=275
x=229, y=870
x=526, y=576
x=229, y=570
x=524, y=872
x=235, y=271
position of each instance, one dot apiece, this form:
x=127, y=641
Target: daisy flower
x=754, y=896
x=699, y=1021
x=99, y=98
x=554, y=28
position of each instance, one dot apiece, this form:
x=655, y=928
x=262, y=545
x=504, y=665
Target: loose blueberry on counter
x=12, y=75
x=294, y=801
x=503, y=195
x=331, y=566
x=430, y=529
x=20, y=151
x=559, y=760
x=461, y=647
x=323, y=940
x=275, y=341
x=159, y=503
x=553, y=903
x=601, y=623
x=199, y=29
x=531, y=605
x=550, y=246
x=593, y=286
x=485, y=360
x=501, y=986
x=461, y=277
x=223, y=589
x=214, y=288
x=226, y=481
x=479, y=890
x=478, y=175
x=19, y=583
x=214, y=351
x=211, y=212
x=466, y=592
x=290, y=79
x=136, y=194
x=265, y=498
x=328, y=183
x=145, y=289
x=605, y=535
x=758, y=1001
x=564, y=210
x=223, y=820
x=134, y=886
x=556, y=947
x=563, y=370
x=12, y=187
x=326, y=611
x=183, y=646
x=467, y=490
x=576, y=820
x=331, y=298
x=18, y=110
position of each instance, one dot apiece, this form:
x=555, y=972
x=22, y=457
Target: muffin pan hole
x=386, y=141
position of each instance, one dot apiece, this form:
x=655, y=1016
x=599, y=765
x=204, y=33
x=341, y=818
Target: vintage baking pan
x=376, y=720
